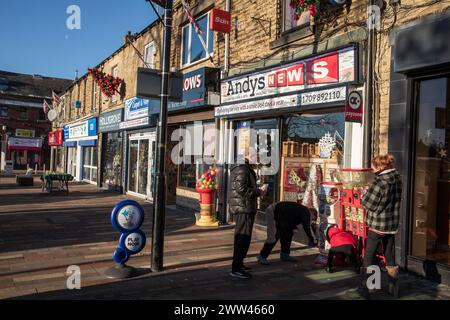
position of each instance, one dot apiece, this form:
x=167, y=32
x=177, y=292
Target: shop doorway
x=90, y=160
x=431, y=196
x=141, y=155
x=72, y=159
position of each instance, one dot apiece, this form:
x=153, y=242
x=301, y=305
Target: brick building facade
x=23, y=122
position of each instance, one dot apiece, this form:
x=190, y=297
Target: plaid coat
x=382, y=202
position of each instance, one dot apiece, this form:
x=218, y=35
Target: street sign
x=354, y=107
x=149, y=84
x=127, y=216
x=132, y=242
x=220, y=21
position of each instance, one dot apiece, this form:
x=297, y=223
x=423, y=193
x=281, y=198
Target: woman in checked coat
x=382, y=203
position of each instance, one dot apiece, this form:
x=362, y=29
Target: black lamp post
x=159, y=207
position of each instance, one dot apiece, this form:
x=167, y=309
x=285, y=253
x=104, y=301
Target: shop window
x=312, y=151
x=112, y=155
x=289, y=21
x=4, y=112
x=192, y=48
x=198, y=152
x=149, y=55
x=23, y=114
x=431, y=201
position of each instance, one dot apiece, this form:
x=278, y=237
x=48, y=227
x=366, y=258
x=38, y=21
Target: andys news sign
x=325, y=70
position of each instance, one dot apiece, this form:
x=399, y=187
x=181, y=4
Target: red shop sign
x=220, y=21
x=55, y=138
x=354, y=107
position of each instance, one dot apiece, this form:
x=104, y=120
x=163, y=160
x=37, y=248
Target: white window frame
x=149, y=64
x=209, y=33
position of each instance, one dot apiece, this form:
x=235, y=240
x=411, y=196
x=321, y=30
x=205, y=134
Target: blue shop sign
x=81, y=129
x=136, y=108
x=194, y=91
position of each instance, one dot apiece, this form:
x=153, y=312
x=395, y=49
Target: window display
x=112, y=160
x=198, y=152
x=312, y=151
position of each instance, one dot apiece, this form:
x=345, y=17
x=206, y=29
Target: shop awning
x=69, y=144
x=87, y=143
x=29, y=144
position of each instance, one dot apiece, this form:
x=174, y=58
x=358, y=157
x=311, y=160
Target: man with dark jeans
x=242, y=203
x=282, y=218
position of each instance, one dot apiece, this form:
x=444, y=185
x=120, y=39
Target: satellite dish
x=52, y=115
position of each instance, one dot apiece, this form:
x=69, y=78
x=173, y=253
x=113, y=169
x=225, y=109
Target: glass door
x=143, y=161
x=152, y=168
x=133, y=165
x=431, y=197
x=141, y=171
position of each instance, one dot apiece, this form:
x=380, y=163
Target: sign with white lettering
x=297, y=100
x=194, y=91
x=81, y=129
x=110, y=121
x=329, y=69
x=134, y=123
x=220, y=21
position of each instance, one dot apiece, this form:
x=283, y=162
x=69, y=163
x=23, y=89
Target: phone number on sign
x=323, y=96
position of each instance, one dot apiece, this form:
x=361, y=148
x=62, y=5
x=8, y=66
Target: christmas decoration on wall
x=327, y=143
x=301, y=6
x=109, y=85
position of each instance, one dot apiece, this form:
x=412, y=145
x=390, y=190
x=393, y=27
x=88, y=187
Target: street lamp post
x=159, y=207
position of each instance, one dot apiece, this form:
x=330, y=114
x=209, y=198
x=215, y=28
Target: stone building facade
x=265, y=39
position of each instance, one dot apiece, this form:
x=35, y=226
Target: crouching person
x=282, y=219
x=341, y=242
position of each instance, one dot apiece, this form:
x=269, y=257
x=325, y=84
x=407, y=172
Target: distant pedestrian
x=282, y=219
x=382, y=203
x=342, y=243
x=243, y=206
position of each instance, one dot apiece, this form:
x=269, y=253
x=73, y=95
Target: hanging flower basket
x=301, y=6
x=109, y=85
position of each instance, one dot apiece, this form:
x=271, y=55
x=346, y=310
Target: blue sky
x=34, y=38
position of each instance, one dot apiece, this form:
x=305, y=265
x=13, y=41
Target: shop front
x=292, y=117
x=419, y=138
x=191, y=137
x=55, y=141
x=25, y=152
x=139, y=127
x=111, y=137
x=82, y=154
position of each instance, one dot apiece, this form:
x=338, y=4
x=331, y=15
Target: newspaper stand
x=352, y=212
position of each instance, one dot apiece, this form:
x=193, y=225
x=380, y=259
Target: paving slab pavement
x=42, y=234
